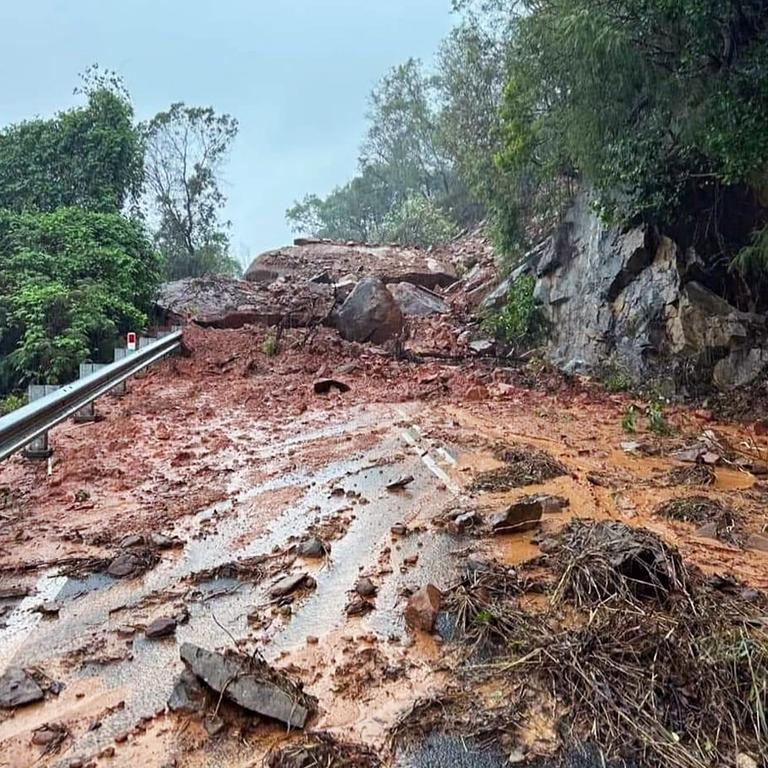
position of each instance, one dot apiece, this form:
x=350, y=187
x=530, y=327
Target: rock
x=399, y=529
x=525, y=513
x=741, y=367
x=357, y=606
x=401, y=482
x=416, y=301
x=48, y=608
x=369, y=314
x=161, y=541
x=390, y=264
x=46, y=735
x=17, y=688
x=125, y=565
x=213, y=725
x=758, y=542
x=483, y=346
x=324, y=386
x=162, y=627
x=411, y=560
x=707, y=531
x=423, y=607
x=312, y=548
x=465, y=520
x=238, y=680
x=187, y=695
x=287, y=584
x=132, y=540
x=365, y=587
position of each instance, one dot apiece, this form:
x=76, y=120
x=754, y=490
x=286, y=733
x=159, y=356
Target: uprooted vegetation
x=522, y=465
x=721, y=521
x=641, y=656
x=321, y=750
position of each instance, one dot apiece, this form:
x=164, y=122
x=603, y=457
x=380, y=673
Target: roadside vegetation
x=95, y=210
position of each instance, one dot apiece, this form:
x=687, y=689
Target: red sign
x=131, y=341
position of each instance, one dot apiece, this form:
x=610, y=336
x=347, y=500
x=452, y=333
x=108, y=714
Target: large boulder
x=392, y=264
x=416, y=301
x=370, y=313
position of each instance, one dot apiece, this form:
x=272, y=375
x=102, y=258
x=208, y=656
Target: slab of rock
x=369, y=314
x=342, y=261
x=417, y=302
x=235, y=679
x=324, y=386
x=365, y=587
x=287, y=584
x=124, y=565
x=400, y=482
x=423, y=607
x=18, y=688
x=758, y=542
x=525, y=513
x=162, y=627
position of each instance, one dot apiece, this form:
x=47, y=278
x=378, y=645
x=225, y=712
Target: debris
x=523, y=465
x=400, y=483
x=322, y=750
x=161, y=627
x=357, y=606
x=399, y=529
x=758, y=542
x=48, y=608
x=288, y=584
x=250, y=683
x=324, y=386
x=601, y=560
x=132, y=564
x=365, y=587
x=187, y=695
x=18, y=688
x=50, y=736
x=132, y=540
x=423, y=607
x=694, y=474
x=161, y=541
x=312, y=548
x=525, y=513
x=213, y=725
x=416, y=301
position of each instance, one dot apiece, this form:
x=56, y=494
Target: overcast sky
x=295, y=73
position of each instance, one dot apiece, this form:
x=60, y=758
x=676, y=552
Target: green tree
x=69, y=281
x=90, y=157
x=418, y=221
x=186, y=148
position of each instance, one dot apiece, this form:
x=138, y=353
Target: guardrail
x=22, y=426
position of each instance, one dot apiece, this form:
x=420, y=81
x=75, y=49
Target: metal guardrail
x=23, y=425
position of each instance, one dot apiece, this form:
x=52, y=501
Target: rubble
x=416, y=301
x=18, y=688
x=249, y=683
x=525, y=513
x=423, y=607
x=161, y=627
x=288, y=584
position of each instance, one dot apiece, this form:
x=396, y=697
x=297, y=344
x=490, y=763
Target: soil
x=231, y=453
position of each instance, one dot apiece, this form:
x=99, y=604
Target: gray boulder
x=370, y=313
x=416, y=301
x=741, y=367
x=18, y=688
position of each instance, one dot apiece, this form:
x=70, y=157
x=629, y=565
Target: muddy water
x=86, y=646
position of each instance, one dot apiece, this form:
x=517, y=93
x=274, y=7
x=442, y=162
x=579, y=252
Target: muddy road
x=178, y=517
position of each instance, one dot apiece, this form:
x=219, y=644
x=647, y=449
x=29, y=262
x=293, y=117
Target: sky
x=295, y=73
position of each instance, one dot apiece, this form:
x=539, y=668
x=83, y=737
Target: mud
x=233, y=453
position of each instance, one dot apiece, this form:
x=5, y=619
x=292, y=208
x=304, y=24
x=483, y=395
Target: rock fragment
x=423, y=607
x=162, y=627
x=17, y=688
x=288, y=584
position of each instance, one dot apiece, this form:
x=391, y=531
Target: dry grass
x=523, y=465
x=321, y=750
x=692, y=475
x=693, y=509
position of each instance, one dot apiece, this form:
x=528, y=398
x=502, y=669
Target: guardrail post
x=87, y=413
x=39, y=448
x=122, y=388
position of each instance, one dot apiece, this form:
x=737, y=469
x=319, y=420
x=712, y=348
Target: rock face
x=310, y=258
x=370, y=313
x=625, y=298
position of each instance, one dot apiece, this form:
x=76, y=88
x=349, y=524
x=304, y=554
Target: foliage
x=418, y=221
x=519, y=322
x=629, y=420
x=271, y=346
x=69, y=281
x=186, y=150
x=616, y=379
x=90, y=156
x=11, y=403
x=682, y=132
x=657, y=421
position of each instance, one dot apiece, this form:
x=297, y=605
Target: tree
x=69, y=281
x=418, y=221
x=90, y=157
x=186, y=150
